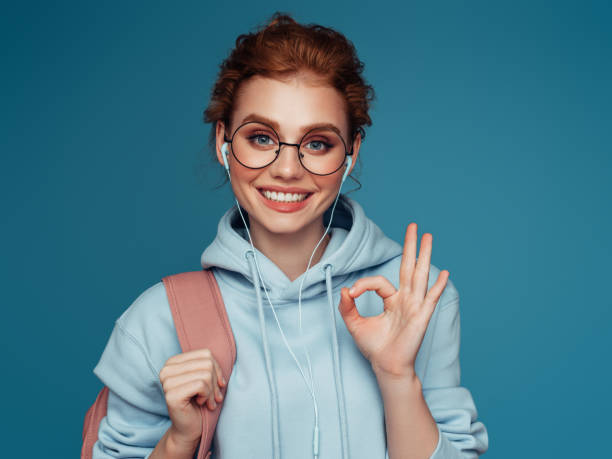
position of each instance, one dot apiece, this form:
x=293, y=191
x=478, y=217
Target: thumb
x=348, y=310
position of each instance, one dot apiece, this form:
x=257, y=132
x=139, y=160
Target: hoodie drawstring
x=268, y=359
x=338, y=383
x=337, y=374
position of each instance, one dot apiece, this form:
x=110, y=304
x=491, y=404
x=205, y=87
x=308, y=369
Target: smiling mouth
x=283, y=197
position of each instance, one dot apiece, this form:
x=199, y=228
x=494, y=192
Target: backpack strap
x=201, y=321
x=91, y=424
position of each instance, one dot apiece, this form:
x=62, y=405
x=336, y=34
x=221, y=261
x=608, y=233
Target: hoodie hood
x=356, y=243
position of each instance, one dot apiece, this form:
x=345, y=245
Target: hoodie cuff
x=445, y=448
x=440, y=452
x=436, y=452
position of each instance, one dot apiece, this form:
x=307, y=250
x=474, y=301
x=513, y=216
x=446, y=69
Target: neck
x=290, y=251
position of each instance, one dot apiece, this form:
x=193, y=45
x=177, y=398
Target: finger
x=220, y=377
x=203, y=363
x=380, y=284
x=208, y=397
x=177, y=380
x=214, y=386
x=435, y=292
x=348, y=310
x=408, y=257
x=204, y=368
x=182, y=394
x=218, y=395
x=421, y=273
x=195, y=354
x=219, y=382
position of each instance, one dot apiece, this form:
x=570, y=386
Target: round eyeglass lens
x=322, y=151
x=255, y=144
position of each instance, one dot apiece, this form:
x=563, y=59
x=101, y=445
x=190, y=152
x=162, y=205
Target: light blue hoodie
x=268, y=405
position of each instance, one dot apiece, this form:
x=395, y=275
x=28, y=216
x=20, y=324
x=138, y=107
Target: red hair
x=284, y=47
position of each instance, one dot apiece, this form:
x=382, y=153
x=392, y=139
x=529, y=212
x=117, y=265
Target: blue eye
x=317, y=145
x=261, y=139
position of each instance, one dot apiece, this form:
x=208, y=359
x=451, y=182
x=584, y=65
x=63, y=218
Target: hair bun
x=278, y=19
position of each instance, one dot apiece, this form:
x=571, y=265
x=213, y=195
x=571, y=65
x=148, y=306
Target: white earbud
x=349, y=161
x=224, y=152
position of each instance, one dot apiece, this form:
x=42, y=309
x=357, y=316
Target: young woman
x=347, y=344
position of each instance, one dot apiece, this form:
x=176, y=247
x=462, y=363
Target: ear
x=219, y=134
x=356, y=146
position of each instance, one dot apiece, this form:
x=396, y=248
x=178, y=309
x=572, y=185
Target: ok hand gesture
x=391, y=340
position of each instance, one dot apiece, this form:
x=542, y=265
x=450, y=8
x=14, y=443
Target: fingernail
x=352, y=290
x=223, y=378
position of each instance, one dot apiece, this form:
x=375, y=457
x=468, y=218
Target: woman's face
x=291, y=107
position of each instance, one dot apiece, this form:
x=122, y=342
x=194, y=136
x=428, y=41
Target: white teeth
x=284, y=197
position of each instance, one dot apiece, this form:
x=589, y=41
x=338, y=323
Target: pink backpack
x=195, y=300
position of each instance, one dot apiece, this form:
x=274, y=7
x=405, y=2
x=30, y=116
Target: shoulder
x=151, y=302
x=142, y=339
x=148, y=321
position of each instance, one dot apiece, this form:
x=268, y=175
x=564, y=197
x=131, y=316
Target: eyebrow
x=275, y=125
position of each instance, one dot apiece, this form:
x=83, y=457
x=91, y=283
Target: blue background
x=491, y=131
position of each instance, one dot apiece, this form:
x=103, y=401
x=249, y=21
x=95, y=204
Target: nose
x=287, y=165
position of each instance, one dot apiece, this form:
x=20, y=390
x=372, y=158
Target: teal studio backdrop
x=491, y=130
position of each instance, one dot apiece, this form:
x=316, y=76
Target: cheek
x=243, y=176
x=327, y=184
x=241, y=183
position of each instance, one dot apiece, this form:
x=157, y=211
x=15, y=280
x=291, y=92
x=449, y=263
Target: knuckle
x=360, y=283
x=203, y=375
x=170, y=398
x=201, y=385
x=207, y=352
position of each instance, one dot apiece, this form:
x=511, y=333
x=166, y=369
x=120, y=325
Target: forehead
x=294, y=104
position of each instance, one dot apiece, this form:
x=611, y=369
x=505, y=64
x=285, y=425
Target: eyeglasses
x=256, y=145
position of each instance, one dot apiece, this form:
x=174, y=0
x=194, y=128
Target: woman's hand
x=391, y=340
x=189, y=380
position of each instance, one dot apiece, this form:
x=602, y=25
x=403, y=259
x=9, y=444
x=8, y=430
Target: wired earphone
x=348, y=163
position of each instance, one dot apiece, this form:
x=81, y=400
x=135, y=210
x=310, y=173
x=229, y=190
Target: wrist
x=405, y=379
x=178, y=445
x=399, y=374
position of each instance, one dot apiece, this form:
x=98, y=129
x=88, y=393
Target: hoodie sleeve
x=136, y=416
x=460, y=434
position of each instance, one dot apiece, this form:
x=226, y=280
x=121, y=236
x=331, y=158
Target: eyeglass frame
x=280, y=144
